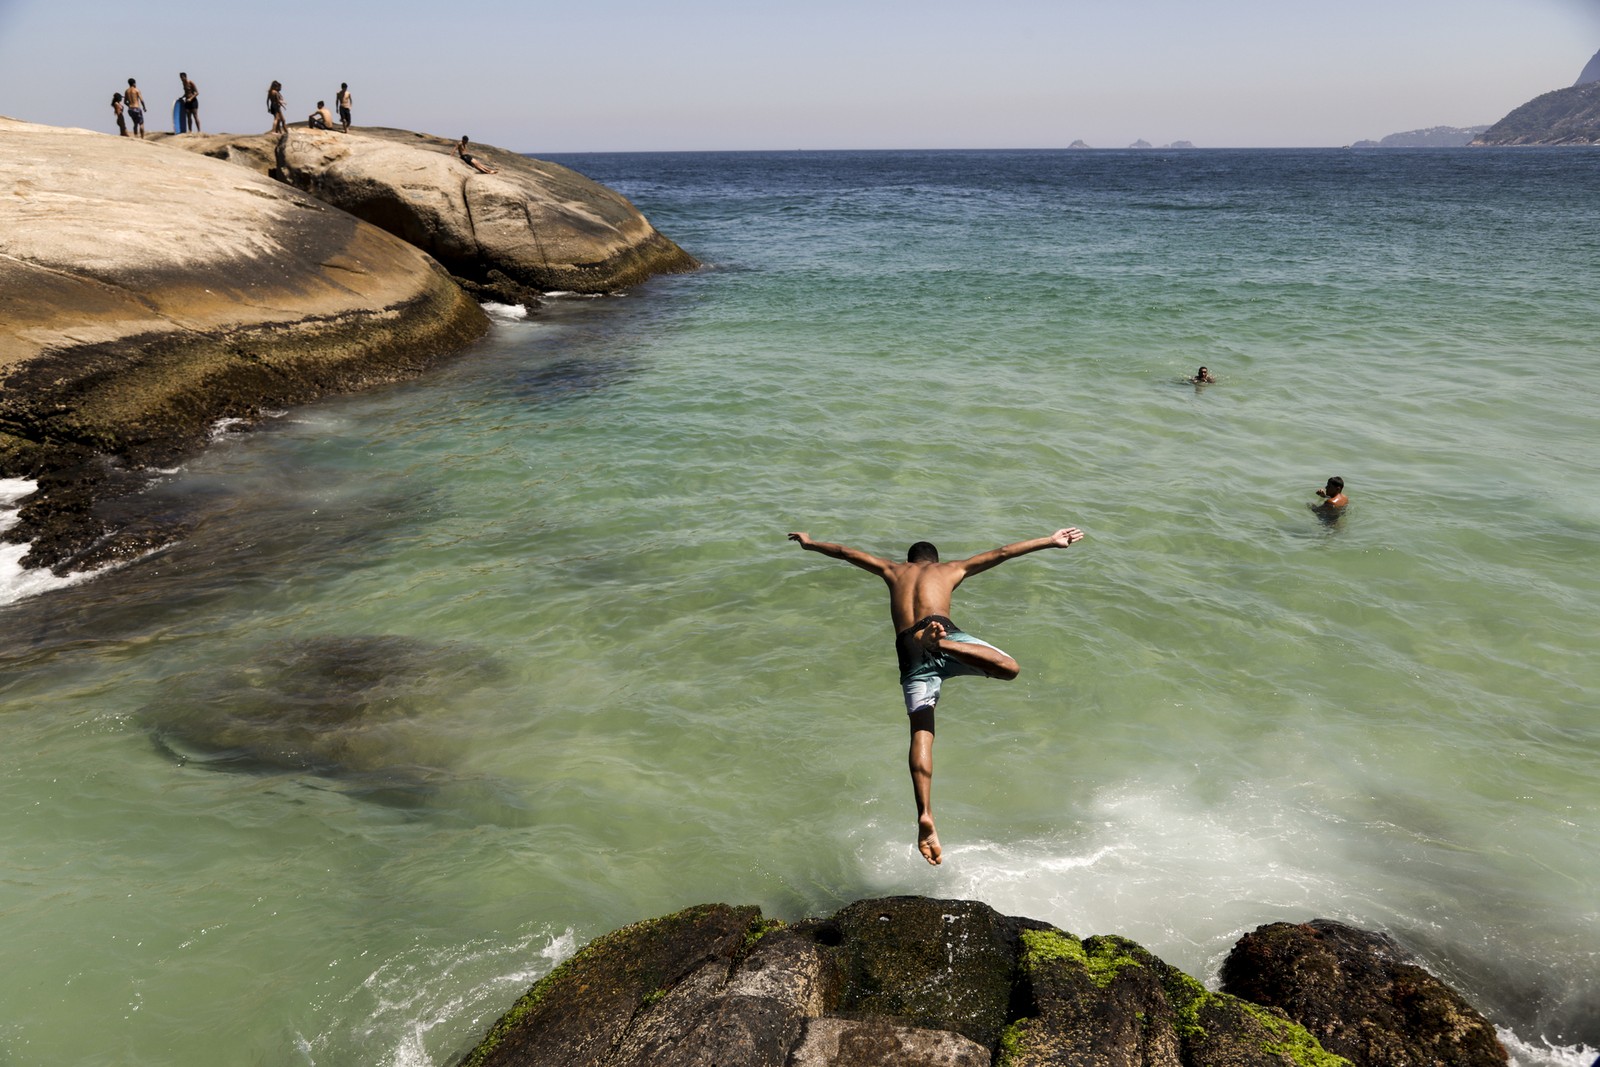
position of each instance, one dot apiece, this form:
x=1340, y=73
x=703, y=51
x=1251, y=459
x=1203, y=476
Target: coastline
x=203, y=289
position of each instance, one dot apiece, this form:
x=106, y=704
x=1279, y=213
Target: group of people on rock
x=128, y=107
x=320, y=119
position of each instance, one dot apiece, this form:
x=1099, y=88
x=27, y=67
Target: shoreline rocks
x=919, y=982
x=152, y=292
x=532, y=227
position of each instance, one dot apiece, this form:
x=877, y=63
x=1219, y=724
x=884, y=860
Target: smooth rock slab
x=149, y=292
x=533, y=224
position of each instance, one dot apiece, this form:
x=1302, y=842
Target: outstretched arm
x=995, y=556
x=866, y=561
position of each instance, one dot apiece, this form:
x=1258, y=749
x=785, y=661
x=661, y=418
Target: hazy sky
x=727, y=74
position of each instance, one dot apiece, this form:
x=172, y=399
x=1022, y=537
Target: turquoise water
x=564, y=671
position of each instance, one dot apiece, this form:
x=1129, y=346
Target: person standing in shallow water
x=930, y=646
x=1332, y=494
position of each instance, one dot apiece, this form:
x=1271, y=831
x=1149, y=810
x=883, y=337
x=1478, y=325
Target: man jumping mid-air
x=931, y=647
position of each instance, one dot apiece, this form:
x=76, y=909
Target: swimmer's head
x=922, y=552
x=1335, y=486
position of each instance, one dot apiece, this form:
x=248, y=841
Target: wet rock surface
x=912, y=980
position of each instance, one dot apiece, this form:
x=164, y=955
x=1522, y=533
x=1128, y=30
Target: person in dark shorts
x=930, y=646
x=469, y=160
x=191, y=104
x=135, y=101
x=342, y=102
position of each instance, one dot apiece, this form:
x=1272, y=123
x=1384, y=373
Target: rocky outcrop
x=918, y=983
x=1568, y=116
x=531, y=227
x=149, y=293
x=1432, y=137
x=1359, y=994
x=1590, y=71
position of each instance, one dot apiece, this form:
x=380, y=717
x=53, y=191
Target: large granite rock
x=150, y=292
x=920, y=983
x=534, y=224
x=1361, y=995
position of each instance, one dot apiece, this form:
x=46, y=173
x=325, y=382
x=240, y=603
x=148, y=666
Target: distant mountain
x=1432, y=137
x=1591, y=71
x=1078, y=144
x=1565, y=117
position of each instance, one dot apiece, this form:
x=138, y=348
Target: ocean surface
x=448, y=678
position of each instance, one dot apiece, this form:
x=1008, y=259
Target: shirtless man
x=191, y=104
x=135, y=101
x=342, y=102
x=1203, y=376
x=931, y=647
x=470, y=160
x=1333, y=497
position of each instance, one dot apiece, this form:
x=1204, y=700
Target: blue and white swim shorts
x=923, y=670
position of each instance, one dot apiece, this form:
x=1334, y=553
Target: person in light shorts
x=930, y=647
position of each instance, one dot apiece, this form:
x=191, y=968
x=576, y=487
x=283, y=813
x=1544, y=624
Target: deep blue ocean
x=574, y=675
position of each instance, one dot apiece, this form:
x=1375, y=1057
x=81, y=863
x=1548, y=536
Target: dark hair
x=322, y=103
x=1336, y=483
x=922, y=552
x=130, y=81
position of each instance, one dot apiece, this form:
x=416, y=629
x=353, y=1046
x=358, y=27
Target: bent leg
x=979, y=655
x=920, y=760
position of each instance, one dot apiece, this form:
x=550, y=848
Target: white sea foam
x=18, y=582
x=1544, y=1054
x=507, y=312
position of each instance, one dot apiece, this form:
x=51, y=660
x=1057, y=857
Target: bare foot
x=931, y=635
x=928, y=839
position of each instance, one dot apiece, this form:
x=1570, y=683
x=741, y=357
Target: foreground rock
x=531, y=227
x=1358, y=993
x=149, y=293
x=940, y=983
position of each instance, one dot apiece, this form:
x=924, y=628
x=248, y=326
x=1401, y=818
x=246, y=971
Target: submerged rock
x=362, y=709
x=905, y=981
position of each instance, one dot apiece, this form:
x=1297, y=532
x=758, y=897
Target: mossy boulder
x=1360, y=994
x=580, y=1012
x=937, y=964
x=911, y=981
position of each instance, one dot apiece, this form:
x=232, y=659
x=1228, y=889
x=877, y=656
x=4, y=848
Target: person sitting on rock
x=461, y=150
x=322, y=118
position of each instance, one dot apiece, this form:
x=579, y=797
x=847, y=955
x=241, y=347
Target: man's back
x=917, y=590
